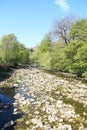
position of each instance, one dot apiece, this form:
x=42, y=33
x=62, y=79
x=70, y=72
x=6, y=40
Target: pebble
x=45, y=91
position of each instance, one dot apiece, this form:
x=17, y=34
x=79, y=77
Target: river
x=7, y=108
x=43, y=101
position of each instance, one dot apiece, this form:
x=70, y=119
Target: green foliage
x=70, y=57
x=41, y=55
x=58, y=56
x=81, y=60
x=78, y=30
x=12, y=52
x=70, y=52
x=84, y=74
x=45, y=59
x=76, y=51
x=45, y=44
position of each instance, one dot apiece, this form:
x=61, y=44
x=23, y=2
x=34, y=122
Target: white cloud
x=63, y=4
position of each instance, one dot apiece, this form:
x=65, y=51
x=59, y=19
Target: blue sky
x=30, y=20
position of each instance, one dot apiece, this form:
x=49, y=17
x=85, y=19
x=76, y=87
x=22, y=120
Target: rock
x=64, y=127
x=5, y=105
x=60, y=120
x=70, y=120
x=15, y=109
x=15, y=86
x=9, y=124
x=84, y=113
x=59, y=103
x=37, y=122
x=36, y=112
x=27, y=122
x=41, y=97
x=17, y=96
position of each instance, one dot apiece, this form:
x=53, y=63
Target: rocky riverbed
x=47, y=101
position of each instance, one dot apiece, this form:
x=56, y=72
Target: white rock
x=60, y=120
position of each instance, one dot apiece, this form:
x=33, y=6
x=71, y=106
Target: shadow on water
x=7, y=116
x=4, y=74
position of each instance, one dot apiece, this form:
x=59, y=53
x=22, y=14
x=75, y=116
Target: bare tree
x=62, y=28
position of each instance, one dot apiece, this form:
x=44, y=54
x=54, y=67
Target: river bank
x=48, y=102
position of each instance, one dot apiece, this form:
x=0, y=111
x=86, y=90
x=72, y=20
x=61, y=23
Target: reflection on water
x=6, y=107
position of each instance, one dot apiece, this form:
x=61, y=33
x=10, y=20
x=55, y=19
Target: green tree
x=70, y=53
x=12, y=51
x=78, y=30
x=76, y=50
x=41, y=53
x=81, y=60
x=58, y=56
x=8, y=42
x=45, y=44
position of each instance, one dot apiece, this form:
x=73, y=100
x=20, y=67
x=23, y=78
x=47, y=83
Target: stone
x=17, y=96
x=37, y=122
x=27, y=122
x=41, y=99
x=64, y=127
x=60, y=120
x=9, y=124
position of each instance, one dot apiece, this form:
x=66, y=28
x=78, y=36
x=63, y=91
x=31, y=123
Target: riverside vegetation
x=68, y=53
x=47, y=101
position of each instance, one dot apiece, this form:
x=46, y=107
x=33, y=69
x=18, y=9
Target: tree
x=78, y=30
x=62, y=28
x=41, y=53
x=81, y=60
x=45, y=44
x=8, y=43
x=12, y=51
x=76, y=50
x=58, y=56
x=70, y=53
